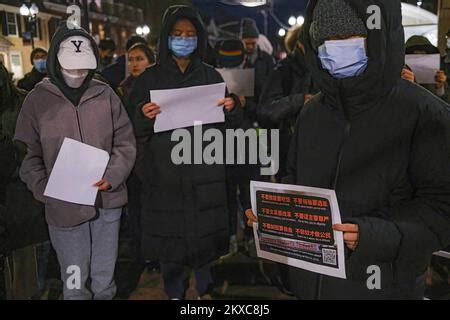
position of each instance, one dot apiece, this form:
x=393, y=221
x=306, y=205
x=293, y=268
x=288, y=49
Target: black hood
x=386, y=52
x=173, y=14
x=53, y=67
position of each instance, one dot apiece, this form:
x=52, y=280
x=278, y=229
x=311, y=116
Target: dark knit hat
x=134, y=39
x=249, y=29
x=334, y=18
x=420, y=43
x=229, y=53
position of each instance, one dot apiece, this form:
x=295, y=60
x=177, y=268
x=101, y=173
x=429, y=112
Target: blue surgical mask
x=182, y=46
x=40, y=65
x=344, y=58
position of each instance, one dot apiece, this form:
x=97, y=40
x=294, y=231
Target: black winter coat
x=30, y=80
x=22, y=219
x=283, y=97
x=383, y=144
x=184, y=215
x=263, y=66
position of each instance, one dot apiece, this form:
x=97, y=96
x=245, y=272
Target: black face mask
x=107, y=60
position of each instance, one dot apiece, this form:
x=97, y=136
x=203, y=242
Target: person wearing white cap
x=70, y=104
x=76, y=58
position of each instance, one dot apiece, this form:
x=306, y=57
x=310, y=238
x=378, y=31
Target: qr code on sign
x=329, y=256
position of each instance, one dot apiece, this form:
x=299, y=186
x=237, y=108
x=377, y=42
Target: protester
x=230, y=55
x=283, y=96
x=382, y=143
x=23, y=221
x=117, y=72
x=107, y=49
x=69, y=104
x=255, y=58
x=285, y=92
x=421, y=45
x=140, y=57
x=38, y=59
x=130, y=265
x=184, y=216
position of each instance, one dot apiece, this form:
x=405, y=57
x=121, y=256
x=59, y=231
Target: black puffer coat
x=22, y=221
x=383, y=144
x=30, y=80
x=282, y=99
x=184, y=214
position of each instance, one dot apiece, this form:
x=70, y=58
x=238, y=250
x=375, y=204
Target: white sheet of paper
x=424, y=66
x=303, y=246
x=239, y=81
x=181, y=108
x=77, y=168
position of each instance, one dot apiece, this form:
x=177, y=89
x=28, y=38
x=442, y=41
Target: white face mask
x=74, y=78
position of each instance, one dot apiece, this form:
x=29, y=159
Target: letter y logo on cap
x=77, y=45
x=77, y=53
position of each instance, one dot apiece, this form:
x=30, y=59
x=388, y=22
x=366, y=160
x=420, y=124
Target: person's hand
x=243, y=101
x=308, y=97
x=103, y=185
x=408, y=75
x=351, y=234
x=227, y=103
x=251, y=218
x=441, y=79
x=151, y=110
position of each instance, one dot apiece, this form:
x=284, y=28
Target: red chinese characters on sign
x=275, y=227
x=311, y=217
x=276, y=213
x=314, y=234
x=311, y=202
x=276, y=198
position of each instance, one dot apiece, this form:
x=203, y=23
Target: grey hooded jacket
x=100, y=120
x=92, y=114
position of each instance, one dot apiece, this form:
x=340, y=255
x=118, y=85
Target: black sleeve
x=412, y=230
x=277, y=105
x=291, y=166
x=143, y=127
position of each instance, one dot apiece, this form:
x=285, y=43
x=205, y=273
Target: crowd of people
x=351, y=117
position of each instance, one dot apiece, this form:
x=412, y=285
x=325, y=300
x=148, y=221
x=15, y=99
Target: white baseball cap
x=76, y=53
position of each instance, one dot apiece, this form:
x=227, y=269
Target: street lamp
x=30, y=14
x=143, y=30
x=292, y=21
x=253, y=3
x=282, y=32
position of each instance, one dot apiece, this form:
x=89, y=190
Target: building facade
x=107, y=19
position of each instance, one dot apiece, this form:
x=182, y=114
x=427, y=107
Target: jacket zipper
x=335, y=182
x=79, y=125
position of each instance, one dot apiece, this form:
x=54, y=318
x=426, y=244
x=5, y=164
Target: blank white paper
x=424, y=66
x=77, y=168
x=180, y=108
x=241, y=82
